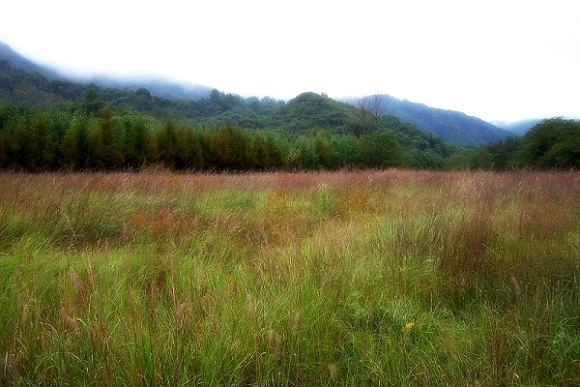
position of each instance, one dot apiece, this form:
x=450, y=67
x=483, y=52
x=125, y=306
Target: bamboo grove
x=48, y=139
x=77, y=138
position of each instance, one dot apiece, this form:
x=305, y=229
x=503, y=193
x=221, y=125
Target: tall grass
x=345, y=278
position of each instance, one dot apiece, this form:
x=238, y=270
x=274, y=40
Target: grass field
x=393, y=278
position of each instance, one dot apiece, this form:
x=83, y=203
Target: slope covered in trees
x=160, y=98
x=48, y=123
x=10, y=57
x=552, y=144
x=312, y=130
x=95, y=137
x=449, y=125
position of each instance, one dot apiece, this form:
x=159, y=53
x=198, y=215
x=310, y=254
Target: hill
x=26, y=84
x=448, y=124
x=9, y=57
x=158, y=87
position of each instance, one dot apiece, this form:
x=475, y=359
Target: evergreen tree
x=188, y=150
x=140, y=145
x=224, y=147
x=167, y=143
x=75, y=146
x=43, y=147
x=275, y=153
x=112, y=152
x=260, y=153
x=96, y=147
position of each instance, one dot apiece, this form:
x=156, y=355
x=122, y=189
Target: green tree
x=322, y=150
x=293, y=158
x=379, y=150
x=96, y=147
x=275, y=153
x=91, y=95
x=242, y=146
x=137, y=143
x=550, y=144
x=42, y=145
x=188, y=150
x=25, y=157
x=565, y=153
x=75, y=146
x=345, y=151
x=113, y=156
x=361, y=122
x=93, y=100
x=167, y=142
x=224, y=146
x=260, y=152
x=143, y=99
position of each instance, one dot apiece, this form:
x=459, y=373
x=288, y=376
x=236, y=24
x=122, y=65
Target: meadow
x=350, y=278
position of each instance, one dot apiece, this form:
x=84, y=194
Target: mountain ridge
x=450, y=125
x=447, y=124
x=17, y=61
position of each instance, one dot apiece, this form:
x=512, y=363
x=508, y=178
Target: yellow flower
x=408, y=326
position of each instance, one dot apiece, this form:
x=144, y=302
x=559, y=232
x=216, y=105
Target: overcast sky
x=494, y=59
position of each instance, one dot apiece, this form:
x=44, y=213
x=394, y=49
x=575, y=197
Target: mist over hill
x=48, y=122
x=158, y=87
x=9, y=57
x=22, y=81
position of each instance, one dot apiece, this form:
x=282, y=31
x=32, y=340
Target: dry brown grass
x=331, y=278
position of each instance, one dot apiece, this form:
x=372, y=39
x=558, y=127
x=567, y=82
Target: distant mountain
x=158, y=87
x=448, y=124
x=518, y=128
x=22, y=82
x=9, y=57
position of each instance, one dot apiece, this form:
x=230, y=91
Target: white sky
x=494, y=59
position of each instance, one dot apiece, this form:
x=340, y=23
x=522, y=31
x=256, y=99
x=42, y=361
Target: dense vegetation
x=359, y=277
x=26, y=84
x=394, y=278
x=552, y=144
x=48, y=123
x=95, y=136
x=450, y=125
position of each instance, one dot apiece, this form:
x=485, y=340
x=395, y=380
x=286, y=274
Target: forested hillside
x=95, y=136
x=44, y=118
x=552, y=144
x=449, y=125
x=16, y=61
x=50, y=123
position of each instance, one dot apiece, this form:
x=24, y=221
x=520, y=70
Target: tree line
x=54, y=138
x=99, y=137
